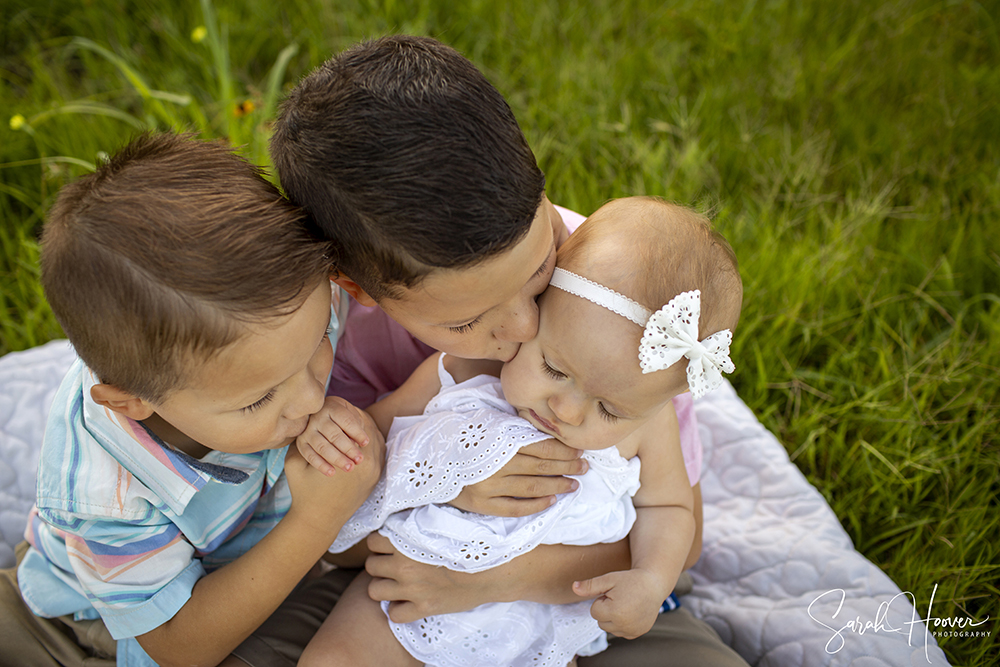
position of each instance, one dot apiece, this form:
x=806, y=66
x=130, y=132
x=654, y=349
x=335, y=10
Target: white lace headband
x=670, y=333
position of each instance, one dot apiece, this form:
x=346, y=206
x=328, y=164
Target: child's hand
x=627, y=603
x=528, y=483
x=334, y=436
x=322, y=503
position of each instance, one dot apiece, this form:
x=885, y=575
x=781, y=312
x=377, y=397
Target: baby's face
x=257, y=393
x=579, y=379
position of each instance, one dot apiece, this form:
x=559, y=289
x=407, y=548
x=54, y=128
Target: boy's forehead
x=265, y=355
x=452, y=297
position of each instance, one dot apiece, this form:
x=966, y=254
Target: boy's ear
x=353, y=289
x=122, y=402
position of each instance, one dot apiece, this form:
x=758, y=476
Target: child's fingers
x=335, y=457
x=312, y=457
x=607, y=612
x=509, y=506
x=322, y=455
x=596, y=587
x=348, y=419
x=551, y=449
x=338, y=441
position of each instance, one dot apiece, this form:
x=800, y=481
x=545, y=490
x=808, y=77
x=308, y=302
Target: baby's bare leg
x=356, y=634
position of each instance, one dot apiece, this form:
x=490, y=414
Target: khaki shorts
x=26, y=639
x=677, y=637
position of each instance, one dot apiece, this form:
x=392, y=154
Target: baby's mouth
x=545, y=424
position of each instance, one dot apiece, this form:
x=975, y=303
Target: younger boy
x=199, y=303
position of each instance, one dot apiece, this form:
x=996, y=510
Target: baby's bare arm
x=410, y=398
x=661, y=540
x=695, y=552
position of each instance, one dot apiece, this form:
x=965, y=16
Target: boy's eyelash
x=270, y=395
x=551, y=372
x=607, y=415
x=259, y=404
x=465, y=328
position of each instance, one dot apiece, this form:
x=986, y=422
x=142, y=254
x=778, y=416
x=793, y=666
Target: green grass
x=848, y=150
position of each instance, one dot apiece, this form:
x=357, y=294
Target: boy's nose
x=309, y=399
x=520, y=324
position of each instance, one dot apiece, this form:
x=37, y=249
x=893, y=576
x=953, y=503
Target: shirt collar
x=168, y=472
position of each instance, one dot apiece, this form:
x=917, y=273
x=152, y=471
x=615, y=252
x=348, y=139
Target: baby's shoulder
x=659, y=432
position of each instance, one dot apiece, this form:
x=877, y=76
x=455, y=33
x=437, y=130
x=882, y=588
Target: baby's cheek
x=508, y=382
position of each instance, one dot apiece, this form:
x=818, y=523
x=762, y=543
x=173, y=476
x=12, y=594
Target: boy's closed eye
x=267, y=398
x=467, y=327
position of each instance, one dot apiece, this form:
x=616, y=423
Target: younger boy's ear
x=353, y=289
x=122, y=402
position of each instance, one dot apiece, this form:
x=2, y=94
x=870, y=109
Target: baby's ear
x=122, y=402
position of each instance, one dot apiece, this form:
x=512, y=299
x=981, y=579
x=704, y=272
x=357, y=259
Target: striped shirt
x=125, y=525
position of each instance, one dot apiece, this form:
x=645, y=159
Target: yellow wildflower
x=17, y=122
x=198, y=34
x=243, y=108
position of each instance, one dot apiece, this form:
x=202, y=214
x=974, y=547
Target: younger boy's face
x=485, y=311
x=257, y=393
x=579, y=380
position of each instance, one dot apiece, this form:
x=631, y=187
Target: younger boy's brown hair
x=160, y=258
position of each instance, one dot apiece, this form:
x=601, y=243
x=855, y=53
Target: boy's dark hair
x=409, y=159
x=161, y=257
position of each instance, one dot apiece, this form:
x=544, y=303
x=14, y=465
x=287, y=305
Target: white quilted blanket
x=776, y=564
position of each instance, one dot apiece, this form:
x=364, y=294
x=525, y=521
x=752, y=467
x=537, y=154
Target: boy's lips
x=545, y=423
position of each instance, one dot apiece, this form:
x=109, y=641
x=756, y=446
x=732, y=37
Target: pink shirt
x=375, y=355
